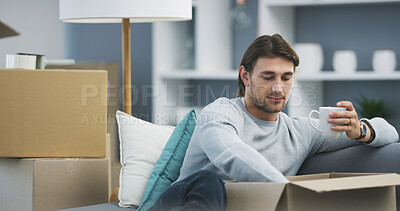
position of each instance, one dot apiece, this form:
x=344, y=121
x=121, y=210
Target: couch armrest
x=359, y=158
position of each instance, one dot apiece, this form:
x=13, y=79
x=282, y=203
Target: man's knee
x=211, y=178
x=208, y=175
x=204, y=180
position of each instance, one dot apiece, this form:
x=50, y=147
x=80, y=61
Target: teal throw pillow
x=167, y=169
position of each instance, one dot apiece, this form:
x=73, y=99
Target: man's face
x=270, y=84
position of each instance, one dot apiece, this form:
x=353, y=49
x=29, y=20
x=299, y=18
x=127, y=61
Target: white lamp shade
x=111, y=11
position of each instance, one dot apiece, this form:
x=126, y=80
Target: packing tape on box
x=14, y=61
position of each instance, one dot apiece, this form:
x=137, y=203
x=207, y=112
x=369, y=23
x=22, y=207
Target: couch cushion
x=141, y=144
x=167, y=168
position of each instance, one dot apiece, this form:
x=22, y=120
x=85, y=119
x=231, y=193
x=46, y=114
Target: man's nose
x=277, y=87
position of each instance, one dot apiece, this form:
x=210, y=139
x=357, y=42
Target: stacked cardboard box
x=114, y=103
x=53, y=128
x=52, y=183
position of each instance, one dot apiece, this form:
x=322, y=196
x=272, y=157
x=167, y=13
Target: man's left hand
x=346, y=120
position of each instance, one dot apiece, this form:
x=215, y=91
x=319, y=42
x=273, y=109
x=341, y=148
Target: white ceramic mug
x=325, y=127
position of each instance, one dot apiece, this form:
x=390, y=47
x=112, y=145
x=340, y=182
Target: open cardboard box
x=329, y=191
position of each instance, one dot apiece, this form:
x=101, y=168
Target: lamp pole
x=126, y=65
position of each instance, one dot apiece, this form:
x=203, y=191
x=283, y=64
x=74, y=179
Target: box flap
x=253, y=195
x=309, y=177
x=348, y=183
x=345, y=174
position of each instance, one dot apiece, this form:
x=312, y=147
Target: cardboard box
x=114, y=98
x=114, y=166
x=50, y=184
x=53, y=113
x=114, y=103
x=331, y=191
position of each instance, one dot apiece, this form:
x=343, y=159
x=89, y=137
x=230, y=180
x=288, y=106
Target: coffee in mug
x=324, y=127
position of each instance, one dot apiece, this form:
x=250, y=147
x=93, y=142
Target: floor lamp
x=125, y=11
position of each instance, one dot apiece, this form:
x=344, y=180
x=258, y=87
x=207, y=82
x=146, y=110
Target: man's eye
x=286, y=78
x=268, y=78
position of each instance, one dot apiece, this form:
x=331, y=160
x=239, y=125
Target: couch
x=360, y=159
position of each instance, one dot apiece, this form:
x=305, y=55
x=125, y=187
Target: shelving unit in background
x=357, y=76
x=290, y=3
x=307, y=94
x=170, y=79
x=197, y=75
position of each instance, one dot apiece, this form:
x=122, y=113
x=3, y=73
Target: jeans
x=201, y=191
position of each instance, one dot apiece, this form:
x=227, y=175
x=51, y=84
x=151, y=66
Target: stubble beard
x=262, y=102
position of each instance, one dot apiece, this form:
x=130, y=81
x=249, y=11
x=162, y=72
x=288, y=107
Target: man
x=248, y=138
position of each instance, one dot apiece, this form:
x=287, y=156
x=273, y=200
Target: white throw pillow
x=141, y=144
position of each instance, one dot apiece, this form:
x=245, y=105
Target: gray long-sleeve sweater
x=239, y=146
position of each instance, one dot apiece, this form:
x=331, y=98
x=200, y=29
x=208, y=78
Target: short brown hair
x=265, y=46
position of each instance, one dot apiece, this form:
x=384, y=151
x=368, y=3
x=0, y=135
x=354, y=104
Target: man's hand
x=347, y=120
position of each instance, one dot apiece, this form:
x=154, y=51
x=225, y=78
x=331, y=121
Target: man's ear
x=244, y=75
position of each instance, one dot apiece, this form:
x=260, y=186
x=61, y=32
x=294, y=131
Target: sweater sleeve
x=224, y=148
x=384, y=134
